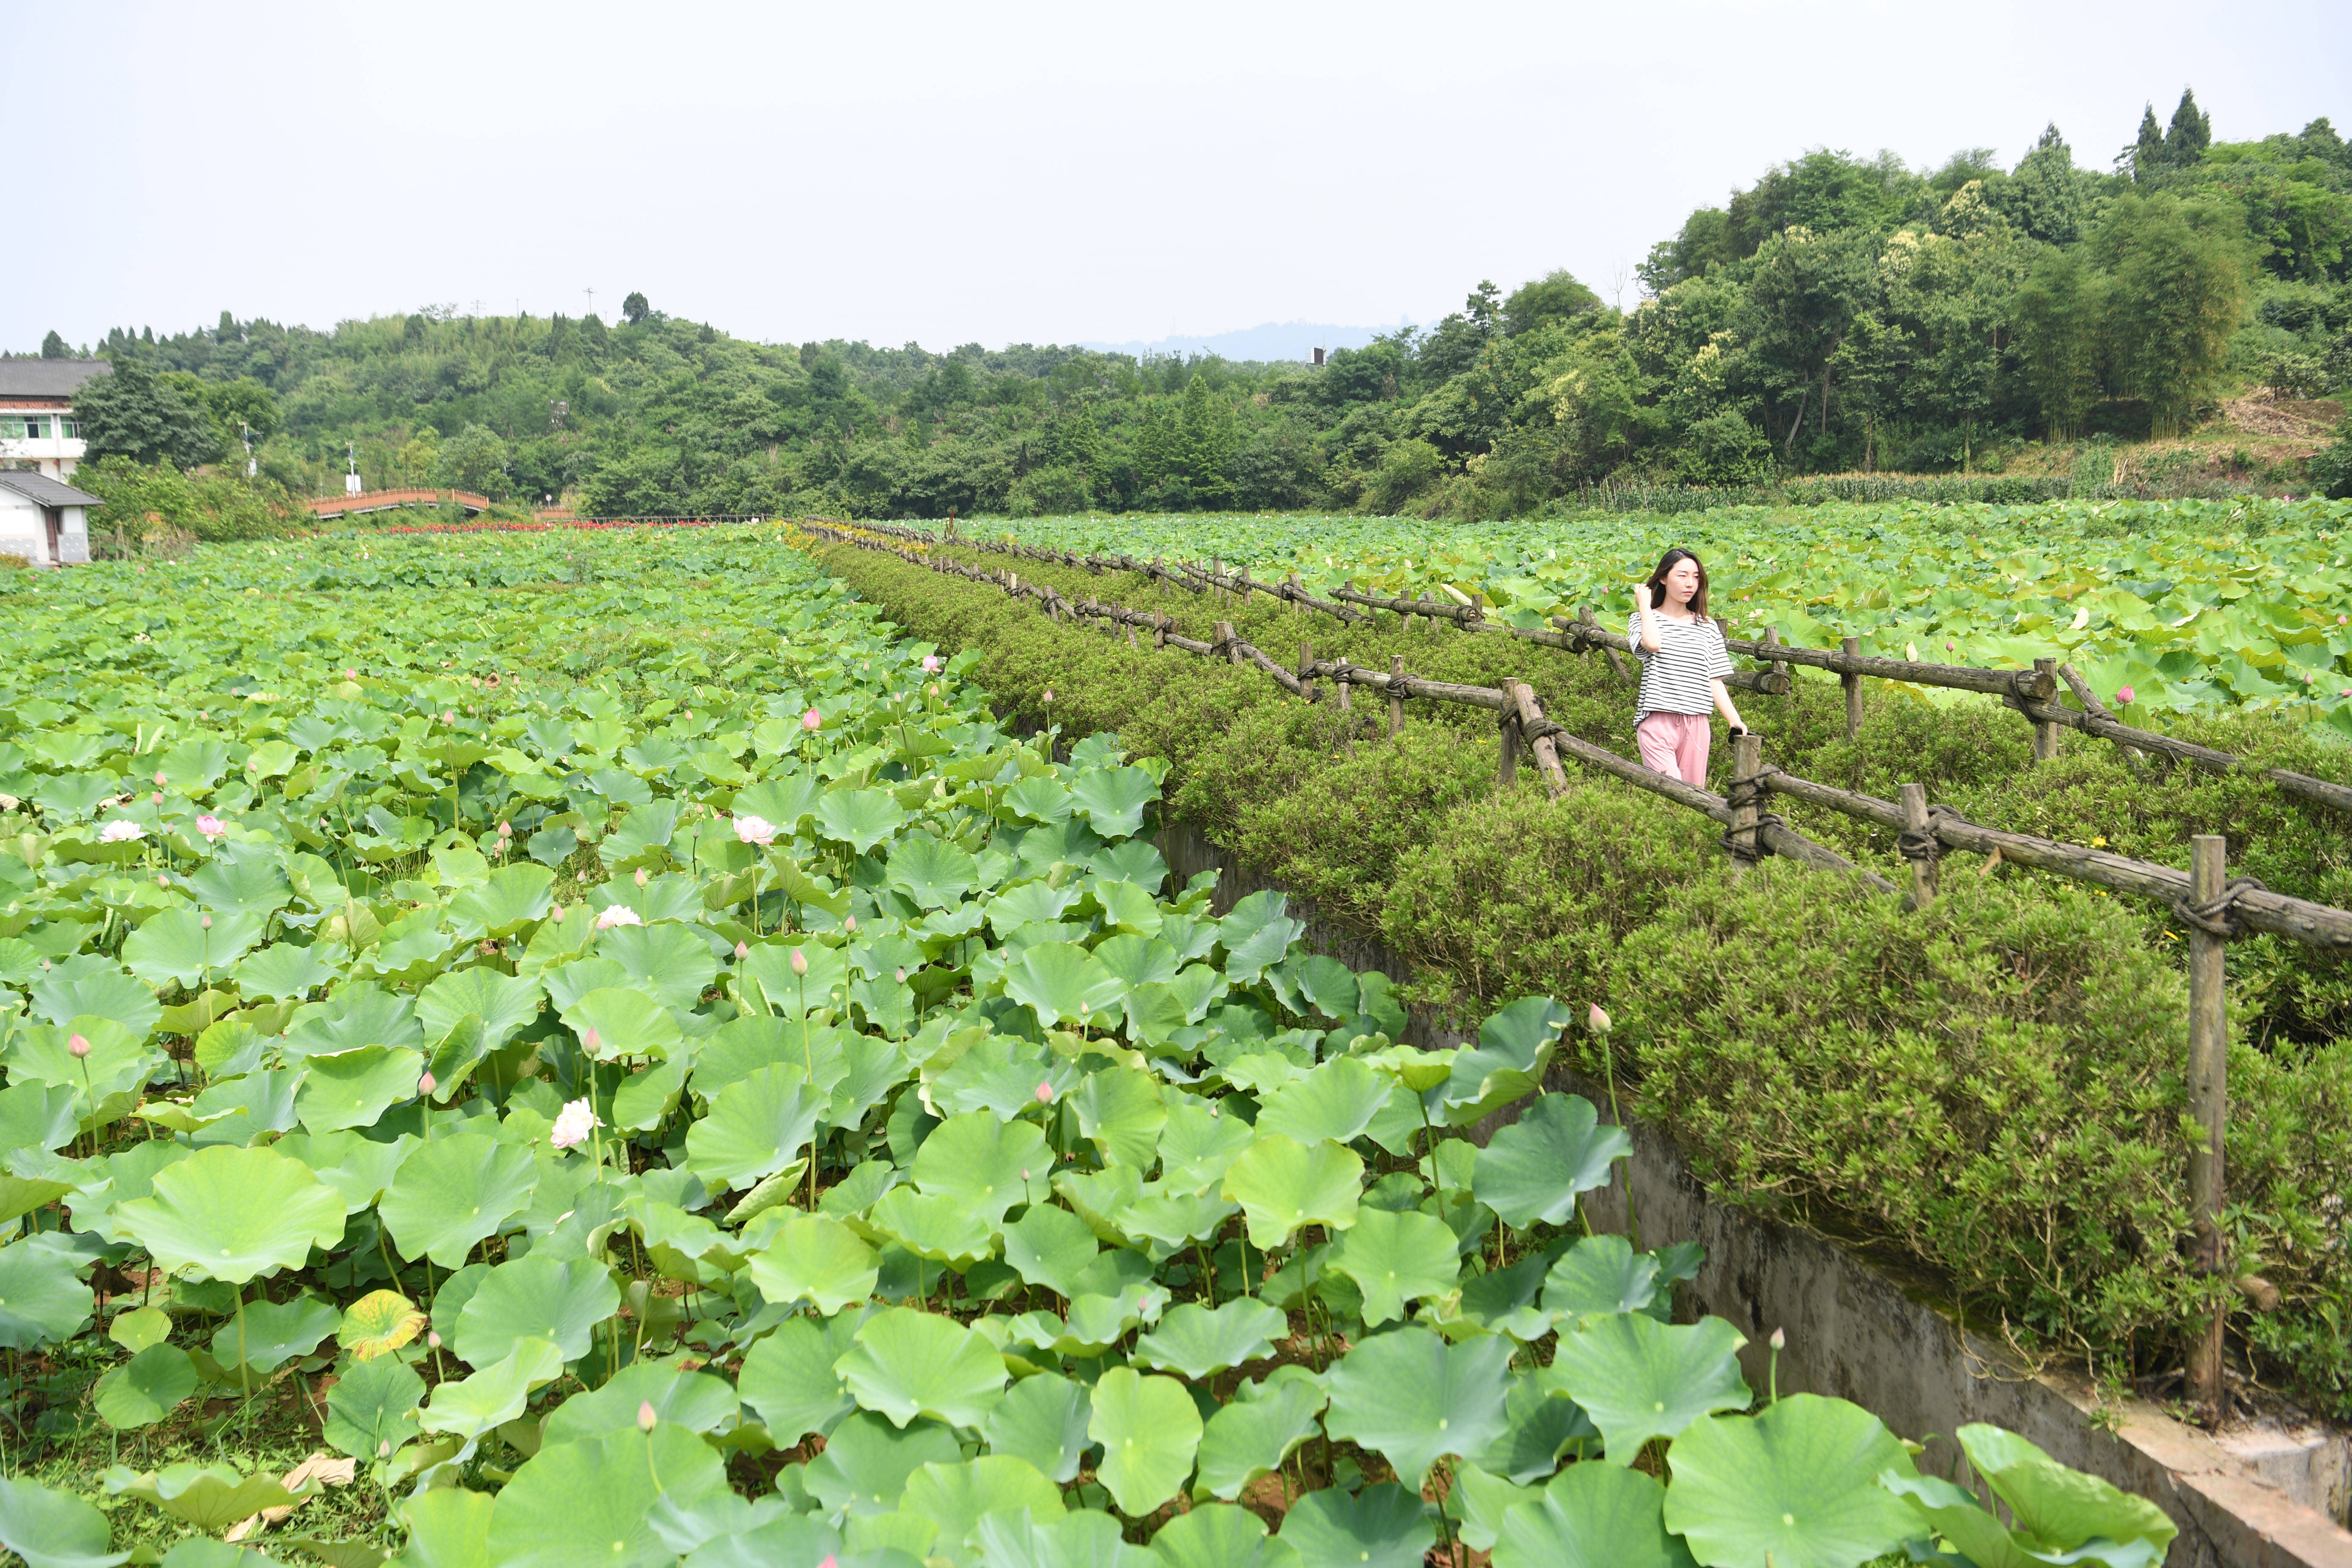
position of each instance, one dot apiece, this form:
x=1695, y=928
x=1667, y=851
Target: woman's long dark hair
x=1658, y=581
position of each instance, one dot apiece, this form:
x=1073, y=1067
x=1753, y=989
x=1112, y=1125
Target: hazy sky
x=1043, y=173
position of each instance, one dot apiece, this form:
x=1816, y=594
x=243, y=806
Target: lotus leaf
x=371, y=1409
x=1217, y=1535
x=504, y=1004
x=1113, y=799
x=1059, y=982
x=1412, y=1398
x=146, y=1388
x=908, y=1363
x=1043, y=1419
x=494, y=1395
x=818, y=1260
x=591, y=1501
x=451, y=1193
x=1282, y=1184
x=210, y=1497
x=1049, y=1246
x=53, y=1530
x=1148, y=1429
x=1383, y=1527
x=1599, y=1275
x=2060, y=1509
x=1251, y=1437
x=1336, y=1101
x=1395, y=1258
x=1120, y=1112
x=625, y=1023
x=182, y=947
x=694, y=1400
x=448, y=1527
x=867, y=1461
x=1534, y=1170
x=755, y=1128
x=985, y=1166
x=231, y=1214
x=933, y=1226
x=353, y=1089
x=788, y=1378
x=268, y=1334
x=1640, y=1379
x=1591, y=1516
x=955, y=1496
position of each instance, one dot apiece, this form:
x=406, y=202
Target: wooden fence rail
x=2214, y=908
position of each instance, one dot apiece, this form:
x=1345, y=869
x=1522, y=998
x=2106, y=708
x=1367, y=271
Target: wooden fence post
x=1306, y=667
x=1853, y=684
x=2045, y=734
x=1230, y=643
x=1914, y=821
x=1396, y=702
x=1747, y=762
x=1159, y=630
x=2209, y=1104
x=1772, y=639
x=1523, y=699
x=1507, y=775
x=1344, y=684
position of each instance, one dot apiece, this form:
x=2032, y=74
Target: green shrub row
x=1992, y=1088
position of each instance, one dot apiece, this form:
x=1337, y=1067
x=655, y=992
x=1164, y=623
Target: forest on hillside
x=1842, y=314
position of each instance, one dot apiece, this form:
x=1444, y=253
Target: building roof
x=43, y=491
x=48, y=377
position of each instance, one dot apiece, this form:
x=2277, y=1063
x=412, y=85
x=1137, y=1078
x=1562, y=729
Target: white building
x=42, y=521
x=37, y=428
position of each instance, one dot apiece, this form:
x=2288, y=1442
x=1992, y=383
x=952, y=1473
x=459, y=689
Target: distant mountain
x=1268, y=342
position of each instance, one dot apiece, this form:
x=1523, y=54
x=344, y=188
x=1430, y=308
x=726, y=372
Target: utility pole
x=245, y=429
x=591, y=301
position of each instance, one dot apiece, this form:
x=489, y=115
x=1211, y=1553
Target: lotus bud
x=1597, y=1020
x=1044, y=1094
x=1049, y=694
x=742, y=951
x=800, y=962
x=425, y=1085
x=933, y=689
x=159, y=780
x=645, y=1415
x=2124, y=695
x=902, y=974
x=849, y=924
x=433, y=1337
x=206, y=923
x=383, y=1450
x=450, y=717
x=351, y=674
x=79, y=1046
x=555, y=911
x=158, y=796
x=931, y=664
x=162, y=881
x=1780, y=1339
x=641, y=875
x=812, y=720
x=506, y=831
x=589, y=1041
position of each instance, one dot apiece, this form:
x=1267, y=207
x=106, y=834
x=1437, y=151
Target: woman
x=1683, y=662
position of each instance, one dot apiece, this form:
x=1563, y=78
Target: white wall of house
x=25, y=532
x=47, y=440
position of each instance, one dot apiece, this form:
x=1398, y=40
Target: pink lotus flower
x=210, y=827
x=931, y=664
x=574, y=1123
x=754, y=829
x=206, y=923
x=78, y=1048
x=812, y=720
x=800, y=962
x=351, y=674
x=121, y=830
x=849, y=924
x=159, y=780
x=1044, y=1094
x=555, y=911
x=642, y=878
x=742, y=951
x=2124, y=695
x=1597, y=1020
x=424, y=1084
x=618, y=915
x=646, y=1417
x=450, y=717
x=590, y=1041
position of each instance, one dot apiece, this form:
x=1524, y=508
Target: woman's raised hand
x=1642, y=596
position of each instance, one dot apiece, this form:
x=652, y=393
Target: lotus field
x=2189, y=605
x=517, y=1056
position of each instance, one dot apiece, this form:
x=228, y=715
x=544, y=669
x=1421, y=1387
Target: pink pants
x=1675, y=744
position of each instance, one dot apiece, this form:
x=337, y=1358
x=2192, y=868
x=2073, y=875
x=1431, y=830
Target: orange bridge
x=380, y=501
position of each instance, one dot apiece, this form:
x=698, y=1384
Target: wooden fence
x=2213, y=907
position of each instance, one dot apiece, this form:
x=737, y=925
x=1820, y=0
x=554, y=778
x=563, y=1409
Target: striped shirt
x=1676, y=678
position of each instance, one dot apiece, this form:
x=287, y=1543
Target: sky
x=948, y=174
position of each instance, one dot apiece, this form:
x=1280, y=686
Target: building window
x=71, y=428
x=26, y=427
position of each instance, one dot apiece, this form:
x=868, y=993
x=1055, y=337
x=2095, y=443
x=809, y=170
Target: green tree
x=634, y=309
x=2044, y=197
x=130, y=413
x=474, y=460
x=2146, y=155
x=1557, y=296
x=1807, y=291
x=1205, y=440
x=2178, y=293
x=2058, y=310
x=2189, y=134
x=54, y=347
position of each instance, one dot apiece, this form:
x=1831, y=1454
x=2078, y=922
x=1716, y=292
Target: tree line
x=1842, y=314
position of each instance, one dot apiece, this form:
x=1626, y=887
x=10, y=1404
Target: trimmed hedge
x=1993, y=1087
